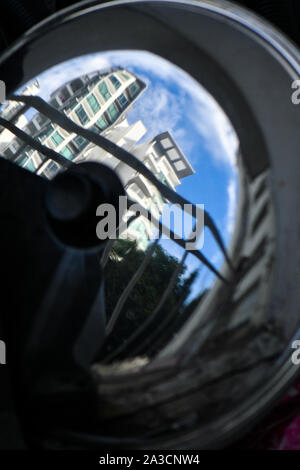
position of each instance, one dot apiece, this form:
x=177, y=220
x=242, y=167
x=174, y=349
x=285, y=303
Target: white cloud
x=159, y=106
x=160, y=110
x=232, y=193
x=55, y=77
x=220, y=138
x=203, y=110
x=171, y=96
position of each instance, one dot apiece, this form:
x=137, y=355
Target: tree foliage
x=125, y=259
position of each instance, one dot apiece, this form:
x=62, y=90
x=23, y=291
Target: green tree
x=124, y=261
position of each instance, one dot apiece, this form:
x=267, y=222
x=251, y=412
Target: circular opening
x=207, y=320
x=158, y=112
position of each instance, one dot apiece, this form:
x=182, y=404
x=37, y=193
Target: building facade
x=100, y=102
x=167, y=162
x=96, y=101
x=13, y=111
x=161, y=155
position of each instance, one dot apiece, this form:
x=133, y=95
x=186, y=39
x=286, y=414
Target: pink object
x=280, y=429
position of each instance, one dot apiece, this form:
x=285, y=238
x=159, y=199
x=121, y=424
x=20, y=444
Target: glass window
x=113, y=112
x=82, y=116
x=84, y=92
x=15, y=145
x=51, y=169
x=76, y=84
x=116, y=83
x=102, y=123
x=173, y=154
x=179, y=165
x=63, y=94
x=31, y=128
x=30, y=165
x=93, y=103
x=8, y=153
x=134, y=89
x=40, y=119
x=72, y=104
x=122, y=100
x=163, y=179
x=46, y=132
x=104, y=91
x=125, y=75
x=166, y=143
x=80, y=142
x=137, y=190
x=67, y=153
x=21, y=161
x=57, y=138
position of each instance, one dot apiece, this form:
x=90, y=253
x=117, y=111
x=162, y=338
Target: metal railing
x=128, y=158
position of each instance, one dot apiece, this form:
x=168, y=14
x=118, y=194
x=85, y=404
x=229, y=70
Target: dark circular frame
x=248, y=66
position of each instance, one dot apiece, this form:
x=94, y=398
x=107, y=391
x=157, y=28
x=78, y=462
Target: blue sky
x=175, y=102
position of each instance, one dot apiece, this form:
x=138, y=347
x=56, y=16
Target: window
x=116, y=83
x=40, y=119
x=72, y=104
x=46, y=132
x=57, y=138
x=8, y=153
x=31, y=128
x=76, y=84
x=67, y=153
x=102, y=123
x=25, y=162
x=179, y=165
x=80, y=142
x=125, y=75
x=166, y=143
x=173, y=154
x=134, y=89
x=93, y=103
x=122, y=100
x=63, y=94
x=15, y=145
x=82, y=116
x=137, y=190
x=94, y=80
x=23, y=158
x=163, y=179
x=29, y=165
x=51, y=169
x=104, y=91
x=112, y=112
x=84, y=92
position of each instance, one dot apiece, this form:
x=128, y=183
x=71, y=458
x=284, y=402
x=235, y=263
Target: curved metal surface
x=248, y=66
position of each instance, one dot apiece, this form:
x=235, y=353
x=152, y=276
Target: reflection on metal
x=127, y=291
x=156, y=329
x=120, y=153
x=164, y=141
x=211, y=372
x=181, y=242
x=35, y=144
x=66, y=123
